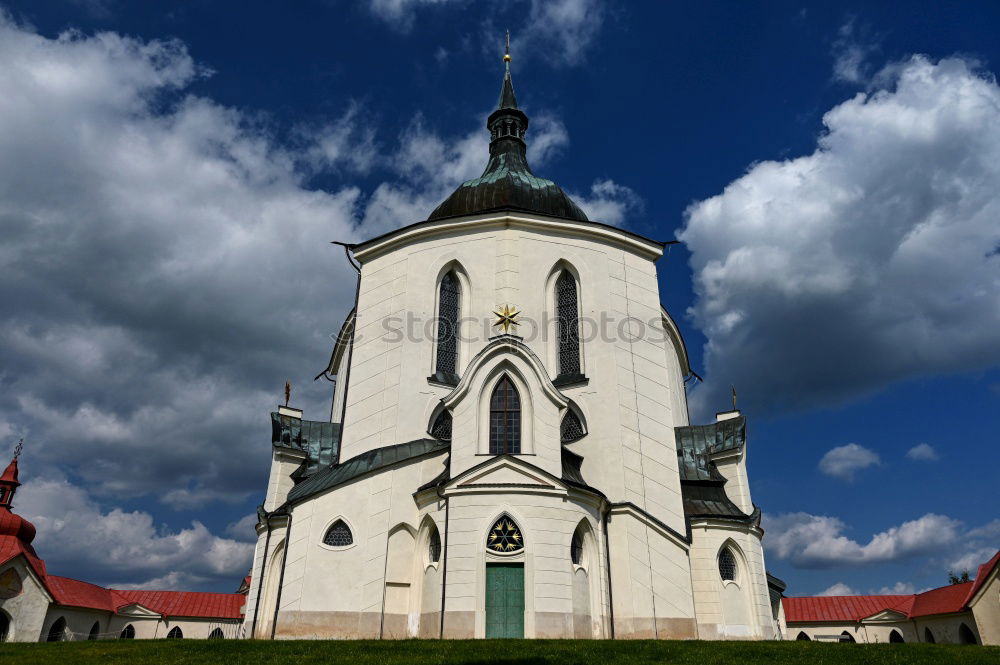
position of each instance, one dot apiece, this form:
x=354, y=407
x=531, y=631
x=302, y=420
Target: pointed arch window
x=505, y=536
x=216, y=634
x=727, y=564
x=128, y=633
x=576, y=548
x=95, y=631
x=449, y=304
x=434, y=546
x=505, y=419
x=567, y=325
x=175, y=633
x=338, y=535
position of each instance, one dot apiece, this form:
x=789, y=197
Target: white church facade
x=535, y=478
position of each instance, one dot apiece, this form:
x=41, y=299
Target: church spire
x=507, y=98
x=508, y=121
x=8, y=481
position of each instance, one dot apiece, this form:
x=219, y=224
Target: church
x=520, y=462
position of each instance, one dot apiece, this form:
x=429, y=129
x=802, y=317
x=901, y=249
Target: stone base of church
x=650, y=629
x=462, y=625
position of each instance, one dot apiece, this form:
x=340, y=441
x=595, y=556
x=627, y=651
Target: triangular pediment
x=137, y=610
x=506, y=471
x=885, y=616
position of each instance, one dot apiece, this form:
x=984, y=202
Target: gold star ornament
x=506, y=317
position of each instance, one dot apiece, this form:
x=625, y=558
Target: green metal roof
x=695, y=443
x=366, y=462
x=507, y=182
x=318, y=439
x=702, y=486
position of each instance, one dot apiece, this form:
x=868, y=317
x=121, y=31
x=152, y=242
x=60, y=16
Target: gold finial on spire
x=288, y=392
x=17, y=448
x=506, y=53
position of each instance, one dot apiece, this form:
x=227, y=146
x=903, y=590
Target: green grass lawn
x=508, y=652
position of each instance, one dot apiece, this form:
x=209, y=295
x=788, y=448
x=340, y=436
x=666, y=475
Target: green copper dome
x=508, y=183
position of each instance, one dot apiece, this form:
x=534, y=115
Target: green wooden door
x=504, y=600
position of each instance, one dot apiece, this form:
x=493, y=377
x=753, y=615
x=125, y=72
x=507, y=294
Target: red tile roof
x=842, y=608
x=187, y=603
x=67, y=591
x=981, y=575
x=943, y=600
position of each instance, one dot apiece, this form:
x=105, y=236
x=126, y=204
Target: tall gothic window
x=447, y=341
x=568, y=326
x=727, y=564
x=505, y=419
x=434, y=546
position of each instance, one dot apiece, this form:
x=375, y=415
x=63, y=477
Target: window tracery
x=505, y=419
x=338, y=535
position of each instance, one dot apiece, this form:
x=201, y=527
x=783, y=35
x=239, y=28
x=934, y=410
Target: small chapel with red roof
x=36, y=605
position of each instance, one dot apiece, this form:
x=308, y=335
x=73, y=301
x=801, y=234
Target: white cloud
x=852, y=50
x=608, y=202
x=897, y=589
x=117, y=547
x=562, y=31
x=400, y=14
x=923, y=452
x=844, y=461
x=138, y=219
x=243, y=529
x=838, y=589
x=822, y=278
x=817, y=541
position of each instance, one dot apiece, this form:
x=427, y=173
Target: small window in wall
x=57, y=632
x=571, y=429
x=846, y=637
x=434, y=546
x=441, y=427
x=338, y=535
x=895, y=637
x=128, y=633
x=928, y=636
x=576, y=548
x=216, y=634
x=175, y=633
x=802, y=637
x=727, y=564
x=966, y=636
x=95, y=631
x=4, y=626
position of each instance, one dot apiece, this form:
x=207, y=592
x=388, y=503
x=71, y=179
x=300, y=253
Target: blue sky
x=170, y=176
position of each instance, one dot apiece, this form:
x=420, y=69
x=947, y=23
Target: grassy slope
x=482, y=652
